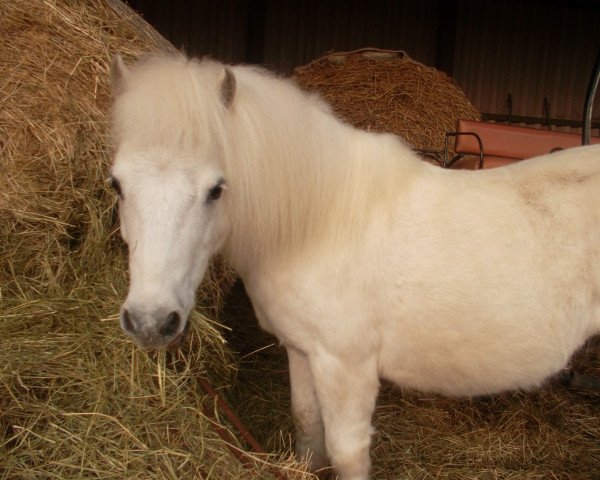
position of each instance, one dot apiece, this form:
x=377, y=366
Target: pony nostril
x=171, y=324
x=126, y=321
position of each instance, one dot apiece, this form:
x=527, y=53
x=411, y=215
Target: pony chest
x=281, y=313
x=312, y=308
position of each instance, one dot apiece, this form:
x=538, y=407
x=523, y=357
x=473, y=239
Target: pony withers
x=364, y=261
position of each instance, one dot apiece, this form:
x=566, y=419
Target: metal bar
x=448, y=164
x=231, y=416
x=557, y=122
x=547, y=113
x=230, y=440
x=589, y=102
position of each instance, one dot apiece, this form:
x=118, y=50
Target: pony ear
x=118, y=73
x=228, y=87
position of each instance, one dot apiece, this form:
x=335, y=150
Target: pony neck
x=300, y=179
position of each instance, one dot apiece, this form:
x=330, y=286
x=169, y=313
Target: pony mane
x=296, y=174
x=303, y=175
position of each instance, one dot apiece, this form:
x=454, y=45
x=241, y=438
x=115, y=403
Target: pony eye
x=215, y=193
x=116, y=186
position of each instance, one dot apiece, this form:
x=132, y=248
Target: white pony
x=364, y=261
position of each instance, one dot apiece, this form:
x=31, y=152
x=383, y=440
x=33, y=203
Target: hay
x=549, y=433
x=55, y=212
x=386, y=91
x=77, y=399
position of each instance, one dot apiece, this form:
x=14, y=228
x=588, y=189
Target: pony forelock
x=169, y=101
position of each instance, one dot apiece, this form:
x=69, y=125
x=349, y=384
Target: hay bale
x=77, y=399
x=55, y=211
x=386, y=91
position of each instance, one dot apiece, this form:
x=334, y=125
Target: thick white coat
x=364, y=261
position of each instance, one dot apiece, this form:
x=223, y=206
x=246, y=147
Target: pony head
x=167, y=124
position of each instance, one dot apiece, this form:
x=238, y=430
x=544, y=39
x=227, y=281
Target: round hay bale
x=57, y=217
x=387, y=91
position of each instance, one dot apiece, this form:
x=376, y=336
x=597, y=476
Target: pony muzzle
x=154, y=330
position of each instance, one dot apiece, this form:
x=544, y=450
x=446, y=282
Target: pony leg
x=347, y=395
x=310, y=440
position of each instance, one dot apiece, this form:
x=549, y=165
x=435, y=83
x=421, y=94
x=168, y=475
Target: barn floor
x=551, y=433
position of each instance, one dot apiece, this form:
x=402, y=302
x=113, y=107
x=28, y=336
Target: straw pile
x=386, y=91
x=549, y=433
x=77, y=399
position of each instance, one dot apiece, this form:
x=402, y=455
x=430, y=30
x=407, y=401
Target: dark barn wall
x=203, y=27
x=285, y=34
x=306, y=30
x=532, y=49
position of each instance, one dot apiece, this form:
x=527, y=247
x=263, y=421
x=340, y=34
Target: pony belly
x=455, y=380
x=471, y=369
